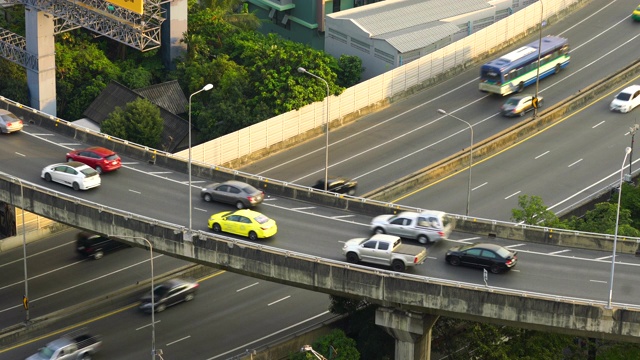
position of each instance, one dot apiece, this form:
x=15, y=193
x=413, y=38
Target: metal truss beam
x=141, y=32
x=13, y=48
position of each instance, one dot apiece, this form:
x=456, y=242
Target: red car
x=99, y=158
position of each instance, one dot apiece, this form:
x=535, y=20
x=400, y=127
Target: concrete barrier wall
x=398, y=290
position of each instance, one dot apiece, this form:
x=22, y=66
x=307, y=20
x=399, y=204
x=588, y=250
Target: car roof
x=176, y=282
x=384, y=237
x=488, y=246
x=247, y=212
x=631, y=89
x=73, y=164
x=236, y=183
x=5, y=112
x=98, y=149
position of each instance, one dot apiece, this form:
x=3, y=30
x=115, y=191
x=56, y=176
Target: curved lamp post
x=153, y=302
x=615, y=236
x=25, y=298
x=205, y=88
x=326, y=146
x=470, y=154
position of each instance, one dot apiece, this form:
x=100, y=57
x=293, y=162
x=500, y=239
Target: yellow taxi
x=244, y=222
x=636, y=14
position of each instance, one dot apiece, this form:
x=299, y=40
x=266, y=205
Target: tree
x=350, y=70
x=531, y=210
x=138, y=122
x=335, y=345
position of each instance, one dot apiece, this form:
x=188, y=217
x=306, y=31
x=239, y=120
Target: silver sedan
x=233, y=192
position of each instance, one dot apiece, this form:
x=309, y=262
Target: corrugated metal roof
x=115, y=94
x=412, y=39
x=398, y=15
x=168, y=95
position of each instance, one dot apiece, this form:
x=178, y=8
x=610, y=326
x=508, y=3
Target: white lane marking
x=245, y=346
x=149, y=324
x=432, y=257
x=23, y=155
x=130, y=163
x=559, y=252
x=516, y=245
x=160, y=173
x=20, y=260
x=70, y=144
x=605, y=257
x=203, y=210
x=37, y=134
x=541, y=155
x=304, y=208
x=80, y=284
x=570, y=165
x=342, y=216
x=512, y=195
x=133, y=191
x=598, y=281
x=598, y=124
x=173, y=342
x=246, y=287
x=479, y=186
x=465, y=240
x=277, y=301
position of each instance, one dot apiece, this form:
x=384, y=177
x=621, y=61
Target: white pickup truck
x=384, y=250
x=69, y=347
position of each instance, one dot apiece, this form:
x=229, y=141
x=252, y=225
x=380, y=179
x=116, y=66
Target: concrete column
x=173, y=30
x=41, y=43
x=411, y=330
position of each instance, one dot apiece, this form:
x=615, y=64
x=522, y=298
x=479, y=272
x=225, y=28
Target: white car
x=74, y=174
x=626, y=100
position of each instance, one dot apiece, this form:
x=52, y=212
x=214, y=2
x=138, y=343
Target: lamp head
x=302, y=70
x=442, y=112
x=627, y=150
x=207, y=87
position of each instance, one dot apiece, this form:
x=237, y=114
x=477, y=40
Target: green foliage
x=350, y=70
x=602, y=220
x=333, y=346
x=531, y=210
x=139, y=122
x=82, y=72
x=14, y=82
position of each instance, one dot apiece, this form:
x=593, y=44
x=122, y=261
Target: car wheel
x=397, y=265
x=558, y=68
x=75, y=186
x=378, y=230
x=352, y=258
x=495, y=269
x=69, y=159
x=216, y=228
x=86, y=357
x=239, y=205
x=521, y=86
x=207, y=197
x=47, y=177
x=540, y=103
x=189, y=297
x=521, y=113
x=98, y=169
x=351, y=192
x=161, y=307
x=253, y=236
x=454, y=260
x=98, y=255
x=423, y=239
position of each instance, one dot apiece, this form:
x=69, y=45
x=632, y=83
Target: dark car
x=170, y=293
x=95, y=246
x=340, y=185
x=490, y=256
x=99, y=158
x=233, y=192
x=519, y=105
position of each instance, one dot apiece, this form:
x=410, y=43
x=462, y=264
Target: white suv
x=626, y=100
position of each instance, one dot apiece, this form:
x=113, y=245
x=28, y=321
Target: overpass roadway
x=432, y=288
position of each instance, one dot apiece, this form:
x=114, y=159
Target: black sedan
x=233, y=192
x=340, y=185
x=169, y=293
x=490, y=256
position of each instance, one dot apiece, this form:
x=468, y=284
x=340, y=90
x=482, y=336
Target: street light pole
x=205, y=88
x=535, y=109
x=615, y=236
x=326, y=146
x=25, y=299
x=632, y=130
x=153, y=302
x=470, y=154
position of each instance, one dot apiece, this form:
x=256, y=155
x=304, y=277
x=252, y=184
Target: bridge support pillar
x=172, y=32
x=40, y=42
x=411, y=330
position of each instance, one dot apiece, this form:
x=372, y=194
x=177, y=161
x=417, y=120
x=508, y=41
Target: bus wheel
x=558, y=68
x=521, y=86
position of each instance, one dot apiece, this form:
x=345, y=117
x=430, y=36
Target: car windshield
x=624, y=96
x=248, y=189
x=46, y=353
x=503, y=252
x=112, y=157
x=89, y=172
x=512, y=101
